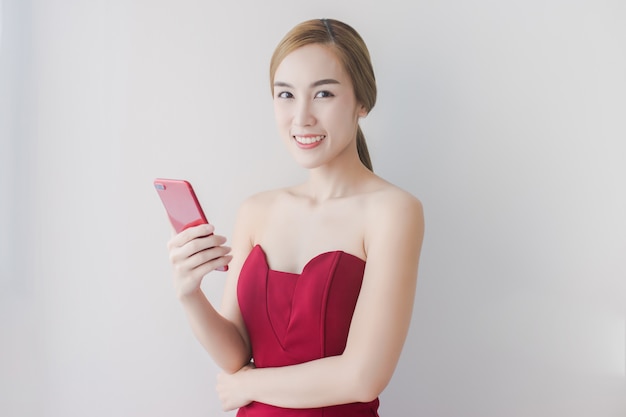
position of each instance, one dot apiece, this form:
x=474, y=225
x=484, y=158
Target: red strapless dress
x=295, y=318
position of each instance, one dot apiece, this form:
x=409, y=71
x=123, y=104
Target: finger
x=197, y=245
x=191, y=233
x=200, y=244
x=220, y=264
x=208, y=255
x=203, y=262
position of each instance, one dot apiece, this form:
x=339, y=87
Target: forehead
x=310, y=63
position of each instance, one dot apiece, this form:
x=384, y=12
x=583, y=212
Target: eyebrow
x=325, y=81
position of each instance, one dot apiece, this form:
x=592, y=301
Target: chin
x=308, y=163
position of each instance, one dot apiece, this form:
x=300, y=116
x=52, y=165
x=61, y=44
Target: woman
x=322, y=275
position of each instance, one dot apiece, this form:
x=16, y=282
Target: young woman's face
x=315, y=106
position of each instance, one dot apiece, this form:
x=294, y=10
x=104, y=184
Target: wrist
x=247, y=383
x=190, y=297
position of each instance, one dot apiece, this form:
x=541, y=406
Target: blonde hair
x=351, y=52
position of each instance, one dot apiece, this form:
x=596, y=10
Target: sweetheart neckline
x=307, y=264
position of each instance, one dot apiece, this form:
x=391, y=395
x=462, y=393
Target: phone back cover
x=181, y=203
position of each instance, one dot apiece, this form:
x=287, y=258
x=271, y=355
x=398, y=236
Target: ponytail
x=361, y=147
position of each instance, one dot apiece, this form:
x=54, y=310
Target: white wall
x=505, y=118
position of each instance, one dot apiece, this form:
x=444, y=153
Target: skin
x=342, y=206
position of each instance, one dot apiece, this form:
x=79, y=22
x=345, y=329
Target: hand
x=194, y=253
x=231, y=389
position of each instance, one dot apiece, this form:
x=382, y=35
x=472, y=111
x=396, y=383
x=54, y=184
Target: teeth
x=309, y=139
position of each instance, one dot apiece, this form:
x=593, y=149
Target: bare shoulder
x=394, y=216
x=260, y=203
x=255, y=209
x=394, y=203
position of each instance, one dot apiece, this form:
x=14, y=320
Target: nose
x=303, y=115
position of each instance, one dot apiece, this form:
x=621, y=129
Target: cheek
x=282, y=118
x=341, y=118
x=281, y=113
x=344, y=110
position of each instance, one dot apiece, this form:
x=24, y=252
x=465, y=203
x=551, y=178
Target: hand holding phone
x=181, y=204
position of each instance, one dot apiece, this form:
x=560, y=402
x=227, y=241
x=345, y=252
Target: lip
x=308, y=141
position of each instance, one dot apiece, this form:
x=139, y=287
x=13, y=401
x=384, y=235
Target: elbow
x=367, y=397
x=234, y=361
x=234, y=366
x=368, y=384
x=230, y=369
x=368, y=392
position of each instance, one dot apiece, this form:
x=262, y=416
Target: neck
x=341, y=179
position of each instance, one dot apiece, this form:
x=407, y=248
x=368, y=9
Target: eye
x=284, y=94
x=324, y=94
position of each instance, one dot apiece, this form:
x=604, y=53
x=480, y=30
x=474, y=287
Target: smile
x=308, y=140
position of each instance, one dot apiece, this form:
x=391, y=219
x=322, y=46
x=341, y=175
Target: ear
x=362, y=111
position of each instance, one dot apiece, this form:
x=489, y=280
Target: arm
x=377, y=333
x=193, y=255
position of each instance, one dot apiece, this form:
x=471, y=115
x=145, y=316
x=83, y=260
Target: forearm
x=216, y=334
x=324, y=382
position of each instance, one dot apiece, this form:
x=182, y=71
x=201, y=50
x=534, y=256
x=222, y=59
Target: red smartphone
x=180, y=202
